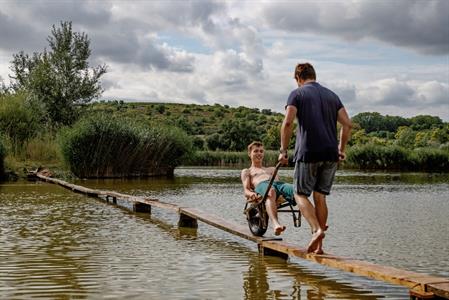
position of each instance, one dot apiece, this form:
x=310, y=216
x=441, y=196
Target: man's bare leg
x=321, y=214
x=308, y=211
x=272, y=212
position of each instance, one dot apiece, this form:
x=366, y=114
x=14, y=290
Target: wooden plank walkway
x=421, y=286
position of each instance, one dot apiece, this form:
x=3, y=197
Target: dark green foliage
x=18, y=120
x=198, y=143
x=397, y=158
x=374, y=121
x=266, y=112
x=60, y=78
x=237, y=134
x=101, y=146
x=423, y=122
x=160, y=108
x=214, y=142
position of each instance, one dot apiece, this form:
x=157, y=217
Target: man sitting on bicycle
x=255, y=181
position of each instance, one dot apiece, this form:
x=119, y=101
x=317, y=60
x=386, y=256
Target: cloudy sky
x=390, y=56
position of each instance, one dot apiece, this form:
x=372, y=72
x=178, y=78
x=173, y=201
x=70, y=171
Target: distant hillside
x=212, y=126
x=220, y=127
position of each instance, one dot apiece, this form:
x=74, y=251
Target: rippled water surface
x=55, y=244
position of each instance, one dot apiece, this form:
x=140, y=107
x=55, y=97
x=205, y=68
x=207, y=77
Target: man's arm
x=345, y=132
x=286, y=132
x=247, y=190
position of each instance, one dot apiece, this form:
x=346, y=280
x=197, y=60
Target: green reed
x=2, y=157
x=397, y=158
x=104, y=146
x=228, y=159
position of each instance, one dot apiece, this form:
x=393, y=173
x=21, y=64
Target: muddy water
x=55, y=244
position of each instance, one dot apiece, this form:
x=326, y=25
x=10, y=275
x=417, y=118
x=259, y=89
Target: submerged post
x=141, y=207
x=187, y=221
x=271, y=252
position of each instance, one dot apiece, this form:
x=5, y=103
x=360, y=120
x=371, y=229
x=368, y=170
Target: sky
x=389, y=56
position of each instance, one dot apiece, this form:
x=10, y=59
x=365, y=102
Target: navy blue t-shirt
x=316, y=136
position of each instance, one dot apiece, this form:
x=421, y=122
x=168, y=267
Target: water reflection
x=57, y=244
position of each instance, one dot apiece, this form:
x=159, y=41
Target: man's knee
x=319, y=197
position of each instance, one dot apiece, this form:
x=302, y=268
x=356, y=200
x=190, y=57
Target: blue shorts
x=314, y=176
x=281, y=188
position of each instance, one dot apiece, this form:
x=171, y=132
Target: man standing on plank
x=317, y=150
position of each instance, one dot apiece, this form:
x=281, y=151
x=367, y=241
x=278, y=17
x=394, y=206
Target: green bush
x=18, y=121
x=101, y=146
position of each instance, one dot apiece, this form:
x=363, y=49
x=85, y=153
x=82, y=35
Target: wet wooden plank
x=241, y=231
x=439, y=288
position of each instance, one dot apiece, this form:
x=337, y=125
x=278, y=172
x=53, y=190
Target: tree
x=60, y=78
x=422, y=122
x=237, y=134
x=405, y=137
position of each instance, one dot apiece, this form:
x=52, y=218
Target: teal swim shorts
x=281, y=188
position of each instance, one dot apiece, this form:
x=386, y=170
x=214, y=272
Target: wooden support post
x=142, y=207
x=418, y=295
x=114, y=200
x=270, y=252
x=187, y=221
x=107, y=198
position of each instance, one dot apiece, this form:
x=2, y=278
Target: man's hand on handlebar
x=283, y=159
x=253, y=197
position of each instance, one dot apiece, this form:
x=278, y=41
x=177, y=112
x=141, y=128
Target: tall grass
x=229, y=159
x=2, y=157
x=365, y=157
x=101, y=146
x=397, y=158
x=43, y=148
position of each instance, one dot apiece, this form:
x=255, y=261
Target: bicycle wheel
x=256, y=223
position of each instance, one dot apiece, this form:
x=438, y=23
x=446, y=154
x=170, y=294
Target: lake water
x=55, y=244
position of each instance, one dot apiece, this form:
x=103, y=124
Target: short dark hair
x=254, y=144
x=305, y=71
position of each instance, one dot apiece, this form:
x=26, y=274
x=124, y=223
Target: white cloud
x=244, y=52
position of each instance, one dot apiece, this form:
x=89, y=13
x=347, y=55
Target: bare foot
x=319, y=249
x=316, y=238
x=278, y=230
